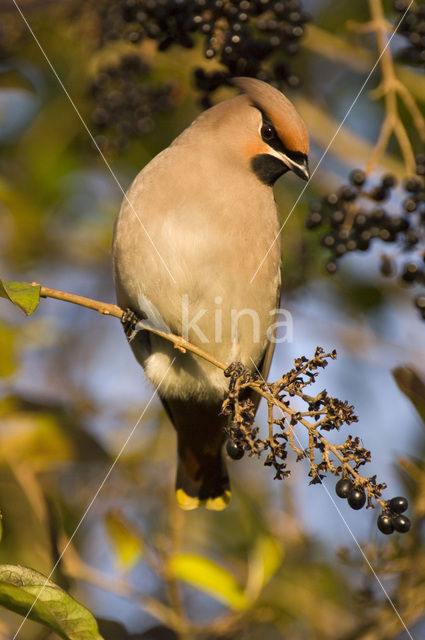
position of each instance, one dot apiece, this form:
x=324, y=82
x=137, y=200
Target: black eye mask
x=270, y=137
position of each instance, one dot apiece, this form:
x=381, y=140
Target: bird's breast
x=186, y=249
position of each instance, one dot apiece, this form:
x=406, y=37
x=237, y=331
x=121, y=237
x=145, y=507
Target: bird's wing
x=265, y=364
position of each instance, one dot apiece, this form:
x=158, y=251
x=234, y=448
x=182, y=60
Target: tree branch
x=324, y=412
x=389, y=89
x=114, y=310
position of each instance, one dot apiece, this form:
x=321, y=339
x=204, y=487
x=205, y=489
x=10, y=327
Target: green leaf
x=20, y=588
x=23, y=295
x=264, y=561
x=413, y=386
x=126, y=542
x=7, y=350
x=268, y=555
x=207, y=576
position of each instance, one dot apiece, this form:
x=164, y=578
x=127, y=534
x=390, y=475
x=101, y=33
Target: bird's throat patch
x=268, y=168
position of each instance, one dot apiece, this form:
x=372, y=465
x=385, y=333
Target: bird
x=197, y=224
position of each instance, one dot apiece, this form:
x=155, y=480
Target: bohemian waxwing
x=195, y=226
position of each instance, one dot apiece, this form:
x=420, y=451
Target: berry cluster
x=355, y=497
x=358, y=215
x=320, y=414
x=390, y=520
x=412, y=27
x=125, y=101
x=240, y=34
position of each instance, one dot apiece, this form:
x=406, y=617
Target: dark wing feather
x=265, y=364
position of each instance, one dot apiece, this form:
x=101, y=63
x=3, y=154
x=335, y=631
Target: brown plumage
x=281, y=112
x=201, y=219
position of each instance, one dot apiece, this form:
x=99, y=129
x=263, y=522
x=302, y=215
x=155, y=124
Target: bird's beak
x=301, y=169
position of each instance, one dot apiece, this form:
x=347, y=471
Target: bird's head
x=276, y=140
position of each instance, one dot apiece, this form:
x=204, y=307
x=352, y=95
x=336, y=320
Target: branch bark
x=108, y=309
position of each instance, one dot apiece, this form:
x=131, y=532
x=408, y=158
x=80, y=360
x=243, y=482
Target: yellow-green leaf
x=7, y=351
x=269, y=554
x=413, y=386
x=23, y=295
x=207, y=576
x=22, y=588
x=263, y=563
x=125, y=540
x=34, y=437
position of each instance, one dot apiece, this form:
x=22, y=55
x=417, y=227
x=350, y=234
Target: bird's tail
x=203, y=484
x=202, y=478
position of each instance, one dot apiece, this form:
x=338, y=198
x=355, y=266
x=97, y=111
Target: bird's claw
x=129, y=321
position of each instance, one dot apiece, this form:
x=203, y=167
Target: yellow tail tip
x=219, y=503
x=185, y=501
x=188, y=503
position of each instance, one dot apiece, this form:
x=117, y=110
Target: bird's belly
x=203, y=292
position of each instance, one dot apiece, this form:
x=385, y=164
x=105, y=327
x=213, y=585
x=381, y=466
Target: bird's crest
x=279, y=110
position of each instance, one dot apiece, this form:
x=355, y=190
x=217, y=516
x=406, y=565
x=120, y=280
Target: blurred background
x=284, y=560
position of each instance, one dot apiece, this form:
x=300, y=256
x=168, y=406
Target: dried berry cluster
x=240, y=34
x=412, y=27
x=321, y=413
x=125, y=101
x=360, y=214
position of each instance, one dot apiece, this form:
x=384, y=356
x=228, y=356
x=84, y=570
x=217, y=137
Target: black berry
x=385, y=524
x=410, y=272
x=401, y=524
x=398, y=504
x=356, y=498
x=314, y=220
x=387, y=266
x=389, y=181
x=357, y=177
x=234, y=450
x=343, y=487
x=420, y=303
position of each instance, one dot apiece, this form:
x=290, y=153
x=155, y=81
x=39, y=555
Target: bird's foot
x=129, y=321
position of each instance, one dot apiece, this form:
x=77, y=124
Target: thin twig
x=114, y=310
x=382, y=143
x=388, y=88
x=370, y=26
x=415, y=112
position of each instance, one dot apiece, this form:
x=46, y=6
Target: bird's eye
x=267, y=132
